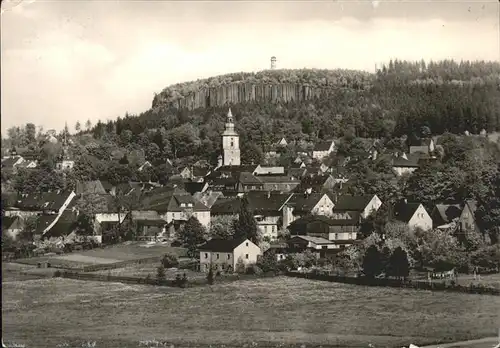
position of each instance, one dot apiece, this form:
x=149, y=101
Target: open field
x=44, y=313
x=111, y=254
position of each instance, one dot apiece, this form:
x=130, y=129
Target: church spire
x=229, y=116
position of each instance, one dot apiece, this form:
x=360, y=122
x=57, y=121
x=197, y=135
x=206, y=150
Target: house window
x=246, y=256
x=232, y=142
x=246, y=244
x=335, y=236
x=217, y=256
x=274, y=229
x=206, y=255
x=229, y=256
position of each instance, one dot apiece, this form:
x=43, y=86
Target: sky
x=69, y=61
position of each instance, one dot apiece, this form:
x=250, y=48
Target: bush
x=160, y=274
x=57, y=274
x=268, y=262
x=210, y=276
x=170, y=260
x=254, y=269
x=240, y=266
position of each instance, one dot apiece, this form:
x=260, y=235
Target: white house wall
x=373, y=206
x=420, y=219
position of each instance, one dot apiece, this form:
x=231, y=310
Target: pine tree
x=245, y=226
x=398, y=264
x=385, y=257
x=372, y=265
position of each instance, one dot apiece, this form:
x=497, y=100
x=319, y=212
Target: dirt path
x=489, y=342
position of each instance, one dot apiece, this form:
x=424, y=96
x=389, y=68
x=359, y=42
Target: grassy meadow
x=270, y=312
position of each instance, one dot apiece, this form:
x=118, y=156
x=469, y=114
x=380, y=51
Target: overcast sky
x=74, y=60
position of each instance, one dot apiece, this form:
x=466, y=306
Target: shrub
x=254, y=269
x=240, y=266
x=170, y=260
x=184, y=280
x=160, y=274
x=268, y=262
x=178, y=280
x=57, y=274
x=210, y=276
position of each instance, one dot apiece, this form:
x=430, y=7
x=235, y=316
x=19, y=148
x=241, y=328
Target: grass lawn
x=111, y=254
x=292, y=311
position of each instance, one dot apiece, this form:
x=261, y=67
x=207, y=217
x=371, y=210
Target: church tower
x=230, y=143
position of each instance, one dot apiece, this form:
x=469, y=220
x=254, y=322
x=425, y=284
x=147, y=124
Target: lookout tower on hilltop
x=273, y=62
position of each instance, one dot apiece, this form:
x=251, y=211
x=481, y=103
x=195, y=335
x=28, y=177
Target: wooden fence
x=396, y=283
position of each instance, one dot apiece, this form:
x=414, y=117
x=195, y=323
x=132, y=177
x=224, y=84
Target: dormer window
x=190, y=204
x=183, y=204
x=46, y=204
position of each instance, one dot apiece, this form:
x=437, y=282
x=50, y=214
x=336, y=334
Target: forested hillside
x=401, y=99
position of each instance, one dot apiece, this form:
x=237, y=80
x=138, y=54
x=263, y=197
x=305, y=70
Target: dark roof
x=221, y=245
x=352, y=203
x=43, y=221
x=53, y=200
x=323, y=146
x=411, y=161
x=304, y=202
x=106, y=185
x=404, y=211
x=193, y=187
x=232, y=171
x=271, y=179
x=248, y=178
x=316, y=182
x=94, y=186
x=226, y=206
x=266, y=202
x=315, y=240
x=200, y=171
x=8, y=221
x=445, y=213
x=9, y=162
x=312, y=219
x=352, y=218
x=64, y=225
x=297, y=172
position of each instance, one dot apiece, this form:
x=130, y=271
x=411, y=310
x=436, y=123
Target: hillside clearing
x=44, y=313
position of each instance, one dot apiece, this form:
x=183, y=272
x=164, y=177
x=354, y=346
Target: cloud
x=70, y=63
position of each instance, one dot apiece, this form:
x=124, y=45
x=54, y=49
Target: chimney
x=404, y=156
x=335, y=198
x=406, y=201
x=268, y=194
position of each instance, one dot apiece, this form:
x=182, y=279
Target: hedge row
x=395, y=283
x=154, y=281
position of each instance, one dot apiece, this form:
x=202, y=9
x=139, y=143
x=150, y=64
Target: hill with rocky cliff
x=411, y=99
